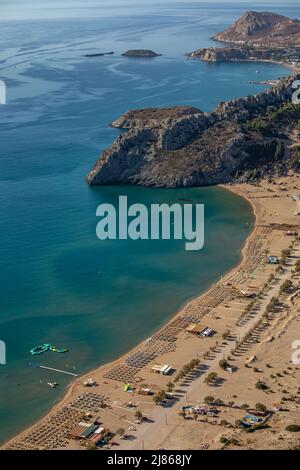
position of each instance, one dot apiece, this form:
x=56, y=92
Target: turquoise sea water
x=60, y=284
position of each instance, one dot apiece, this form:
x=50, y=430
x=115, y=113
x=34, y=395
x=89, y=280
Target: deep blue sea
x=59, y=283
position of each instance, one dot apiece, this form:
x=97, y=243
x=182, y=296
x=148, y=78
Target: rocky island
x=140, y=53
x=245, y=139
x=257, y=36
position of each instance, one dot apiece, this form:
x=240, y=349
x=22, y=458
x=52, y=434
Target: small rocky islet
x=140, y=53
x=98, y=54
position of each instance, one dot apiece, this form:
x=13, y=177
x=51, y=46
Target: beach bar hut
x=89, y=383
x=83, y=430
x=144, y=391
x=98, y=435
x=195, y=329
x=207, y=332
x=162, y=369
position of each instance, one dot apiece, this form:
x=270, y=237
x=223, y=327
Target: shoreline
x=222, y=308
x=291, y=67
x=73, y=384
x=229, y=44
x=252, y=310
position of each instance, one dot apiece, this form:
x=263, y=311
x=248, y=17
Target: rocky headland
x=257, y=36
x=245, y=139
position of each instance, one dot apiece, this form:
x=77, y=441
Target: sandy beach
x=255, y=343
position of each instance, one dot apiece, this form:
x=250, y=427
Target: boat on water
x=53, y=384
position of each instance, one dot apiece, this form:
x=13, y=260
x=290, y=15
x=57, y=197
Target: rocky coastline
x=245, y=139
x=256, y=36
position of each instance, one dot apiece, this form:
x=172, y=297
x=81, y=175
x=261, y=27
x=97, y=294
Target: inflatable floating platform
x=46, y=347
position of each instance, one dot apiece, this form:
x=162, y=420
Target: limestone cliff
x=242, y=139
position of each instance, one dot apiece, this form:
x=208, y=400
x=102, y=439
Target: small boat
x=53, y=384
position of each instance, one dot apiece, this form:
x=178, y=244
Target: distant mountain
x=262, y=29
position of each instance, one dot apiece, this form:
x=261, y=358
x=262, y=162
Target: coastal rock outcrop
x=140, y=53
x=153, y=117
x=257, y=36
x=221, y=54
x=183, y=146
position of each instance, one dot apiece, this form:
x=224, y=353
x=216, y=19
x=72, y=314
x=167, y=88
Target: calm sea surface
x=59, y=284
